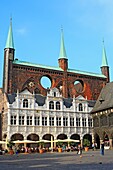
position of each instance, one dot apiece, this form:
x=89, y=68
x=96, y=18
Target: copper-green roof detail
x=104, y=57
x=18, y=62
x=86, y=73
x=36, y=65
x=62, y=47
x=10, y=42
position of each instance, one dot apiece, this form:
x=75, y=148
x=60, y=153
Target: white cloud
x=21, y=31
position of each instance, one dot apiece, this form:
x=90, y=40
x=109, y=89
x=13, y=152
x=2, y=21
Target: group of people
x=64, y=148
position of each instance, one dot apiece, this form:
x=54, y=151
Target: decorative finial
x=11, y=18
x=61, y=28
x=103, y=41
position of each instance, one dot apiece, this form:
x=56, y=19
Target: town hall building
x=30, y=111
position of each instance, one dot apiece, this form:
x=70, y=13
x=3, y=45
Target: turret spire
x=10, y=42
x=104, y=66
x=62, y=47
x=104, y=57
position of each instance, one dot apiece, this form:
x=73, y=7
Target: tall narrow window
x=21, y=120
x=13, y=120
x=71, y=121
x=58, y=121
x=37, y=120
x=57, y=105
x=51, y=105
x=54, y=94
x=44, y=121
x=51, y=121
x=90, y=122
x=25, y=103
x=110, y=118
x=96, y=121
x=84, y=122
x=65, y=121
x=78, y=122
x=29, y=120
x=80, y=107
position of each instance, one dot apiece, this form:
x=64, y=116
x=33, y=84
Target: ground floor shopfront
x=104, y=135
x=52, y=137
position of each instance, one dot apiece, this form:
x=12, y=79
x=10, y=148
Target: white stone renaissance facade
x=33, y=116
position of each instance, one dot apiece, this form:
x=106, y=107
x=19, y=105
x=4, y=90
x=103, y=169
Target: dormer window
x=101, y=100
x=51, y=105
x=80, y=107
x=25, y=103
x=57, y=105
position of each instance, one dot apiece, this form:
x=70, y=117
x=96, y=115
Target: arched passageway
x=17, y=136
x=33, y=137
x=87, y=140
x=48, y=137
x=97, y=140
x=75, y=137
x=62, y=136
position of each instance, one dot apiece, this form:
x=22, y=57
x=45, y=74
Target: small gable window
x=54, y=94
x=25, y=103
x=51, y=105
x=57, y=105
x=80, y=107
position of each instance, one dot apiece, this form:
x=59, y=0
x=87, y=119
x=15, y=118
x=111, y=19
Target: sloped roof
x=67, y=102
x=11, y=98
x=105, y=99
x=91, y=103
x=40, y=100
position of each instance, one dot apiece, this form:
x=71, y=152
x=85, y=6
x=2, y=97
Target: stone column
x=81, y=141
x=93, y=140
x=110, y=142
x=51, y=143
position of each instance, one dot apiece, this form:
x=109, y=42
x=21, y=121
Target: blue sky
x=37, y=28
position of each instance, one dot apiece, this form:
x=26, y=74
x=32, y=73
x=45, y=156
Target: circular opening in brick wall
x=79, y=86
x=45, y=82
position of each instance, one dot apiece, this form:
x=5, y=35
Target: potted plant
x=41, y=146
x=59, y=146
x=10, y=144
x=86, y=144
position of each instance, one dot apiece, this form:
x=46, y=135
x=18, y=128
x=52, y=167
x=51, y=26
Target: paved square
x=91, y=160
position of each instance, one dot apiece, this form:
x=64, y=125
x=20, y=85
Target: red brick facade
x=25, y=76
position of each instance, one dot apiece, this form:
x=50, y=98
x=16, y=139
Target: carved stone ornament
x=31, y=84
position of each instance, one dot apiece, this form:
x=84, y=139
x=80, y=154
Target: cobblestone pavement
x=91, y=160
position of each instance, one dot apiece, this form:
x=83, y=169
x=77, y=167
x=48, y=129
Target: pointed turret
x=62, y=47
x=8, y=60
x=10, y=42
x=104, y=57
x=104, y=66
x=63, y=61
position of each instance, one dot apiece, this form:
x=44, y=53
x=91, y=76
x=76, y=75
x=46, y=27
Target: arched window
x=51, y=105
x=103, y=120
x=54, y=94
x=95, y=121
x=110, y=119
x=25, y=103
x=57, y=105
x=80, y=107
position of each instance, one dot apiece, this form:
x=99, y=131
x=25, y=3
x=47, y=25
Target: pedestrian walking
x=80, y=150
x=102, y=148
x=93, y=146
